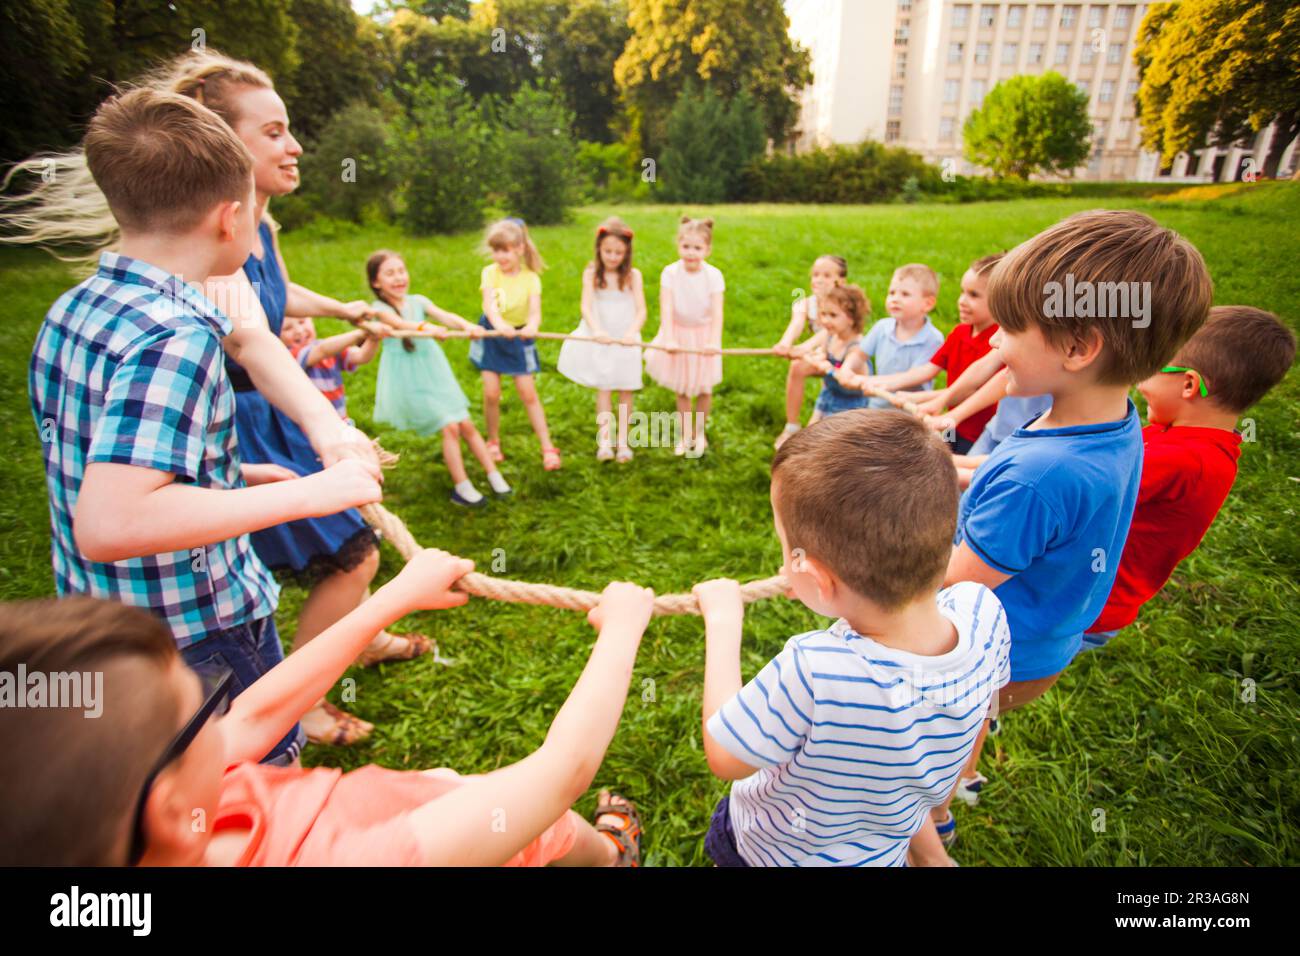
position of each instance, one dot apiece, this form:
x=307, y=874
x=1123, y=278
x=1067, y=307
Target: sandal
x=624, y=455
x=417, y=645
x=551, y=459
x=626, y=838
x=494, y=451
x=345, y=731
x=604, y=452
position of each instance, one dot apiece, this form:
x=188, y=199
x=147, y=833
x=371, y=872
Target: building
x=910, y=71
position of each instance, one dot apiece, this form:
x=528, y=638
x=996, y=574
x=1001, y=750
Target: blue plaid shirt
x=128, y=368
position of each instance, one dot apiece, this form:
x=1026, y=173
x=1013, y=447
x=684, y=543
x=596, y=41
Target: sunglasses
x=1205, y=391
x=216, y=700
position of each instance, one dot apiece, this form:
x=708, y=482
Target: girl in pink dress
x=690, y=306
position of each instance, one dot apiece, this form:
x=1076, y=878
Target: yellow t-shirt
x=512, y=292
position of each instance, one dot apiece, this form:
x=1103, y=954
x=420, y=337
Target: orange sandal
x=551, y=459
x=346, y=730
x=626, y=837
x=417, y=645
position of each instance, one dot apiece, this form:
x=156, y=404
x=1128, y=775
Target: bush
x=708, y=145
x=608, y=172
x=866, y=173
x=537, y=155
x=446, y=147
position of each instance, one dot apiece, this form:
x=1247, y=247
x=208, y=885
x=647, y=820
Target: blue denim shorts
x=249, y=650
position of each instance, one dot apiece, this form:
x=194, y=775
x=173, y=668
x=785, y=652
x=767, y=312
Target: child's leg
x=451, y=453
x=625, y=400
x=527, y=390
x=492, y=406
x=702, y=405
x=926, y=849
x=477, y=446
x=590, y=848
x=602, y=418
x=795, y=382
x=685, y=420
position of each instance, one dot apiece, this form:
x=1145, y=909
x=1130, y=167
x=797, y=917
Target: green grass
x=1153, y=731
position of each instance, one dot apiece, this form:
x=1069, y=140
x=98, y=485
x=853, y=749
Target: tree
x=42, y=53
x=709, y=142
x=716, y=43
x=1219, y=69
x=340, y=62
x=537, y=154
x=1029, y=124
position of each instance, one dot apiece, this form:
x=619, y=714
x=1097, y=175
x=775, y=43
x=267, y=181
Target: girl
x=843, y=311
x=613, y=308
x=690, y=308
x=325, y=360
x=827, y=272
x=512, y=303
x=417, y=389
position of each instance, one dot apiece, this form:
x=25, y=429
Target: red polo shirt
x=959, y=350
x=1186, y=475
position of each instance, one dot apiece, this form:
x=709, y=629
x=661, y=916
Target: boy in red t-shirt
x=970, y=340
x=1190, y=449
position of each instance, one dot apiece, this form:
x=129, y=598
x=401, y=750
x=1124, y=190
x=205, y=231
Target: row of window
x=1011, y=53
x=975, y=93
x=988, y=16
x=948, y=129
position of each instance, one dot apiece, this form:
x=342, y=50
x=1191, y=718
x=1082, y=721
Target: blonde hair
x=922, y=275
x=697, y=227
x=510, y=233
x=66, y=208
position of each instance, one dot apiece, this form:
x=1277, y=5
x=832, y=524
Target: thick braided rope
x=524, y=592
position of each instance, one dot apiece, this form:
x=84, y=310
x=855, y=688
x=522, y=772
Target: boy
x=135, y=411
x=907, y=337
x=1044, y=520
x=1190, y=449
x=114, y=791
x=843, y=742
x=967, y=343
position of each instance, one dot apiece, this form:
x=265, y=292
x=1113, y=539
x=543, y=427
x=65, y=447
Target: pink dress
x=692, y=327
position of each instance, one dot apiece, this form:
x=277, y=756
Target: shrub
x=709, y=142
x=866, y=173
x=537, y=155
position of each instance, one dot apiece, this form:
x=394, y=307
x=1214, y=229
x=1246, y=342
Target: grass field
x=1153, y=732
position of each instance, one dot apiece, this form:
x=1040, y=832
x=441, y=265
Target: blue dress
x=310, y=547
x=834, y=397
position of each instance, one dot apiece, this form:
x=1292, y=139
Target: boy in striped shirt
x=842, y=744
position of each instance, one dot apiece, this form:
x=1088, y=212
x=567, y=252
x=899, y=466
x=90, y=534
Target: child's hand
x=264, y=474
x=626, y=603
x=631, y=339
x=719, y=598
x=782, y=349
x=924, y=404
x=940, y=423
x=440, y=332
x=345, y=484
x=356, y=311
x=669, y=346
x=528, y=332
x=425, y=583
x=601, y=338
x=352, y=443
x=846, y=376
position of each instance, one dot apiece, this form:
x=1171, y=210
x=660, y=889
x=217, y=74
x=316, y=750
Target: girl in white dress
x=613, y=311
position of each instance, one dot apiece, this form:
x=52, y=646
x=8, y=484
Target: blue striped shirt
x=127, y=368
x=857, y=741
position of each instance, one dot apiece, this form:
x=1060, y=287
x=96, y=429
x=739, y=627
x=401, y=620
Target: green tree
x=340, y=61
x=537, y=154
x=1219, y=69
x=709, y=142
x=720, y=44
x=41, y=55
x=1029, y=124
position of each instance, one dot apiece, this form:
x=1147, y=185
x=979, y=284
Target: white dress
x=607, y=367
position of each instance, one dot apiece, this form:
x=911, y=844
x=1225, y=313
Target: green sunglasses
x=1205, y=392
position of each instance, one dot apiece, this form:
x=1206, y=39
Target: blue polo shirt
x=1052, y=508
x=888, y=354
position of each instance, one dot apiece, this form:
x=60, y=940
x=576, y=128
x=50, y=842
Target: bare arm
x=966, y=565
x=638, y=296
x=724, y=615
x=301, y=301
x=666, y=328
x=794, y=329
x=715, y=326
x=909, y=379
x=990, y=393
x=534, y=316
x=494, y=314
x=335, y=345
x=588, y=303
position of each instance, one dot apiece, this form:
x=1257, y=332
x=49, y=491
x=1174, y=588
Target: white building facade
x=909, y=72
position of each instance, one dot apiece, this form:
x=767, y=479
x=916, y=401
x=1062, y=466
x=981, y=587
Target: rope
x=524, y=592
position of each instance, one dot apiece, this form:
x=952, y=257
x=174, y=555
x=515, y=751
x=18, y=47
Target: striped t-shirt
x=857, y=741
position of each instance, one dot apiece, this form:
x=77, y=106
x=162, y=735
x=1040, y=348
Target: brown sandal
x=347, y=729
x=417, y=645
x=626, y=838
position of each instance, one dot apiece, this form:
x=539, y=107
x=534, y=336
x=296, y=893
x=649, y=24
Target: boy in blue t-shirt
x=1087, y=308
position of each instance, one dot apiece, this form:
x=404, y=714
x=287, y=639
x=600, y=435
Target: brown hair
x=1241, y=352
x=613, y=226
x=698, y=227
x=1109, y=252
x=854, y=303
x=70, y=782
x=163, y=161
x=922, y=275
x=984, y=264
x=872, y=494
x=373, y=264
x=838, y=261
x=508, y=233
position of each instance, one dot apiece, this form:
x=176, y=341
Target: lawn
x=1158, y=750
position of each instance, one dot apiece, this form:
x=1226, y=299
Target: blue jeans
x=249, y=650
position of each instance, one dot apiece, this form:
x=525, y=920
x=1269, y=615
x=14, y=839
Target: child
x=827, y=271
x=843, y=742
x=149, y=792
x=690, y=316
x=417, y=389
x=843, y=312
x=613, y=309
x=1044, y=520
x=966, y=343
x=136, y=410
x=512, y=304
x=326, y=360
x=907, y=338
x=1190, y=449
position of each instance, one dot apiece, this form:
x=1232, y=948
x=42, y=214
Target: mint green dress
x=417, y=391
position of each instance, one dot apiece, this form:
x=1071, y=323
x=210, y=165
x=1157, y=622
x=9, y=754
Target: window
x=1041, y=14
x=900, y=34
x=988, y=16
x=1062, y=54
x=946, y=125
x=1107, y=92
x=951, y=90
x=1098, y=134
x=1015, y=17
x=1068, y=16
x=1096, y=15
x=1087, y=54
x=891, y=130
x=1010, y=53
x=900, y=64
x=976, y=93
x=1115, y=53
x=1117, y=169
x=1124, y=130
x=1082, y=87
x=1132, y=89
x=981, y=52
x=960, y=15
x=895, y=101
x=1122, y=17
x=1035, y=54
x=905, y=4
x=955, y=52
